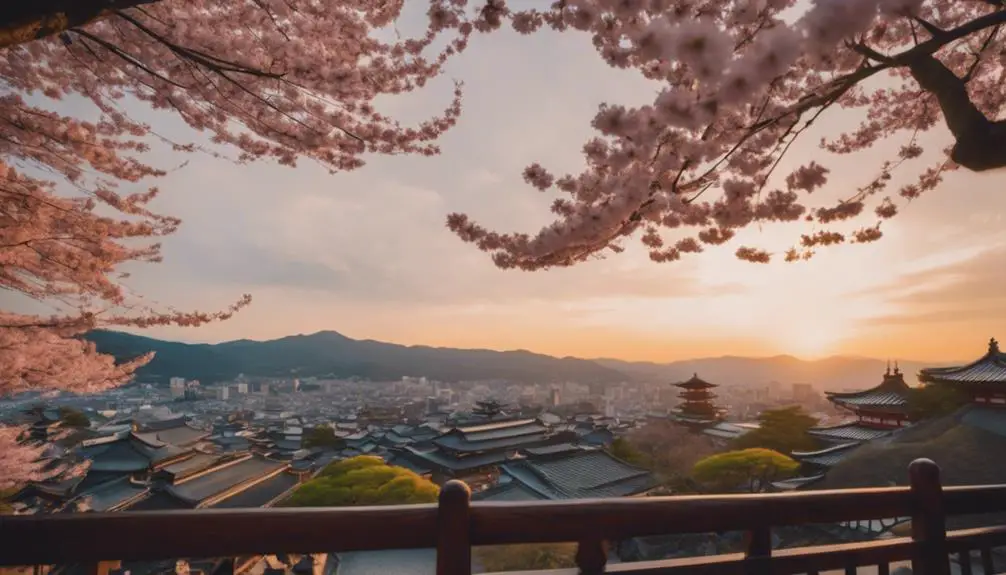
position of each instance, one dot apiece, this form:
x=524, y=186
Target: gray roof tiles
x=848, y=432
x=225, y=477
x=587, y=474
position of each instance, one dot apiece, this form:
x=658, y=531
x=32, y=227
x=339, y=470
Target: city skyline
x=366, y=253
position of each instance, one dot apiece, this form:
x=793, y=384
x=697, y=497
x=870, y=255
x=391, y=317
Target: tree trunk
x=26, y=20
x=980, y=143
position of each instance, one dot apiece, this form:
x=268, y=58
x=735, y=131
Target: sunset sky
x=367, y=254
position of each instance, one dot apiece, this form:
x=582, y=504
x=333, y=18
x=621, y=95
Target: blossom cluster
x=740, y=82
x=269, y=79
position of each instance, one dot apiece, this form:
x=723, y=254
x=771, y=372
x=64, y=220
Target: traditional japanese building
x=473, y=453
x=697, y=407
x=879, y=411
x=567, y=471
x=983, y=380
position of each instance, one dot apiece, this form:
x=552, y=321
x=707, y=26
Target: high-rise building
x=554, y=397
x=177, y=386
x=223, y=393
x=242, y=388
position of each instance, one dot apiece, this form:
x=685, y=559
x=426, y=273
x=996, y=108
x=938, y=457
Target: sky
x=366, y=253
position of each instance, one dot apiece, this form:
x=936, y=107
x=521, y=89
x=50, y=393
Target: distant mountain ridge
x=329, y=353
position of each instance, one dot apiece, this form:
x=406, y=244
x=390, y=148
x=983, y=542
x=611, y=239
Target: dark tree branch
x=26, y=20
x=980, y=143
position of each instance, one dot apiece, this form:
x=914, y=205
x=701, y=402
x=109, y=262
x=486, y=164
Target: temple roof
x=493, y=436
x=225, y=477
x=586, y=474
x=261, y=493
x=510, y=491
x=848, y=432
x=695, y=383
x=112, y=494
x=826, y=457
x=180, y=435
x=126, y=453
x=442, y=460
x=892, y=393
x=990, y=368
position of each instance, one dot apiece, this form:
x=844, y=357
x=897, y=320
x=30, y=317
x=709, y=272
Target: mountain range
x=329, y=353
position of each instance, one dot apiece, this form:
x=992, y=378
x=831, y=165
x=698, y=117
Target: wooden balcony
x=455, y=525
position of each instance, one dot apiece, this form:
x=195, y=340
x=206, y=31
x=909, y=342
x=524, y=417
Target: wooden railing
x=456, y=524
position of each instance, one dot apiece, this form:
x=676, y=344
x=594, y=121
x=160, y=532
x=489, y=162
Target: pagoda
x=489, y=408
x=697, y=407
x=879, y=411
x=983, y=380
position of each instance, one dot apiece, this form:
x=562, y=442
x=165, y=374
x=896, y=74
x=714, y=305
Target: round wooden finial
x=924, y=470
x=455, y=490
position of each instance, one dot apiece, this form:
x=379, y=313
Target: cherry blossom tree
x=740, y=81
x=268, y=79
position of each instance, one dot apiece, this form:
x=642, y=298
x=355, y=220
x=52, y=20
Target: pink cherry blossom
x=264, y=79
x=738, y=85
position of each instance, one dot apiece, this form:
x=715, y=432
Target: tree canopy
x=322, y=436
x=668, y=449
x=747, y=469
x=363, y=480
x=783, y=430
x=934, y=400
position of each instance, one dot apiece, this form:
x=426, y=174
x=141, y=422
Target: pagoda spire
x=888, y=372
x=897, y=370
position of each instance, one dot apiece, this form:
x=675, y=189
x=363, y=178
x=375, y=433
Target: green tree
x=363, y=480
x=73, y=417
x=753, y=469
x=934, y=400
x=624, y=450
x=527, y=556
x=322, y=436
x=783, y=430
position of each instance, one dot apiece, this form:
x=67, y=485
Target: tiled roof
x=225, y=477
x=510, y=491
x=586, y=474
x=990, y=368
x=197, y=462
x=261, y=493
x=455, y=441
x=795, y=483
x=826, y=457
x=848, y=432
x=159, y=501
x=695, y=383
x=439, y=459
x=112, y=494
x=181, y=435
x=892, y=393
x=553, y=449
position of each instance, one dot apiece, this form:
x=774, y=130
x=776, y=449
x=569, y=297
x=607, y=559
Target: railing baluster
x=884, y=568
x=454, y=548
x=964, y=558
x=850, y=570
x=758, y=552
x=987, y=567
x=929, y=527
x=591, y=556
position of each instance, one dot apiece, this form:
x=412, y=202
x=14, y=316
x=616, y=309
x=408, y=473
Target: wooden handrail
x=456, y=524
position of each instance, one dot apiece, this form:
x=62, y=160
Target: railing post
x=929, y=524
x=591, y=556
x=758, y=551
x=454, y=547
